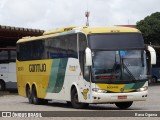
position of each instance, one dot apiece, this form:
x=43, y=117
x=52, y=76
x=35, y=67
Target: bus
x=8, y=79
x=156, y=72
x=84, y=65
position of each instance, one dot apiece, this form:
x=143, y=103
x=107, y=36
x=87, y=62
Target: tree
x=150, y=28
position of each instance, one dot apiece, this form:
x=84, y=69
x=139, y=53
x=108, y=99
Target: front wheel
x=123, y=105
x=2, y=86
x=75, y=102
x=69, y=103
x=154, y=79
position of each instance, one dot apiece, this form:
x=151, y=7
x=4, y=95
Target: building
x=9, y=35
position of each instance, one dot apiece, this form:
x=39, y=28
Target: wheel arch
x=75, y=86
x=1, y=80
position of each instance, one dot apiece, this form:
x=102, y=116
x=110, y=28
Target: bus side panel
x=4, y=72
x=56, y=85
x=56, y=81
x=57, y=75
x=71, y=76
x=33, y=73
x=74, y=77
x=12, y=80
x=8, y=75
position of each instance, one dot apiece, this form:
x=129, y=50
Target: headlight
x=99, y=90
x=142, y=89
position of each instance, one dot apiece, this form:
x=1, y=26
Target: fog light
x=99, y=90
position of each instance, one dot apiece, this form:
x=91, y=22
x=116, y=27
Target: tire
x=74, y=100
x=154, y=79
x=69, y=103
x=29, y=95
x=44, y=102
x=36, y=100
x=123, y=105
x=2, y=86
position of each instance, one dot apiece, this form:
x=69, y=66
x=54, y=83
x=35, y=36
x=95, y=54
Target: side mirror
x=88, y=57
x=152, y=54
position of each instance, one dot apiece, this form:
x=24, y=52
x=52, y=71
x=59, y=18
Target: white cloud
x=48, y=14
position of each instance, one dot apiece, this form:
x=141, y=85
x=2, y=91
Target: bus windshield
x=118, y=58
x=114, y=66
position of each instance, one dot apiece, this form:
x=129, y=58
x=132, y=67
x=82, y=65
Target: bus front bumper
x=118, y=97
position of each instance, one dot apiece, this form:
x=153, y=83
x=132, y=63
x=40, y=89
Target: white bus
x=84, y=66
x=8, y=68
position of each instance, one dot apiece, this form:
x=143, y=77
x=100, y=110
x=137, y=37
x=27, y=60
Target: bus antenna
x=87, y=13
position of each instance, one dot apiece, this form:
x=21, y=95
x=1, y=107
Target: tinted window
x=116, y=41
x=3, y=55
x=13, y=55
x=49, y=48
x=62, y=47
x=7, y=55
x=33, y=50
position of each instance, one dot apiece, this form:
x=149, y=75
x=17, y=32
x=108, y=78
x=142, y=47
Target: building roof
x=10, y=35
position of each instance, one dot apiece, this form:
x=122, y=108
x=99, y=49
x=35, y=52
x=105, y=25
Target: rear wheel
x=44, y=101
x=123, y=105
x=75, y=102
x=2, y=85
x=36, y=100
x=29, y=95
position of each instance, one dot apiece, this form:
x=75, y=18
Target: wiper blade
x=134, y=79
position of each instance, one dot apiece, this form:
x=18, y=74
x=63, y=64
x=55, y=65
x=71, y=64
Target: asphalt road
x=14, y=102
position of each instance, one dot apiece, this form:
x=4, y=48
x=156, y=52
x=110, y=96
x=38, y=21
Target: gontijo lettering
x=37, y=67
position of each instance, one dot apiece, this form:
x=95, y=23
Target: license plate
x=122, y=97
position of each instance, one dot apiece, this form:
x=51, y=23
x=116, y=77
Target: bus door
x=85, y=70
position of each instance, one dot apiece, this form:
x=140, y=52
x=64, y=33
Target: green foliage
x=150, y=28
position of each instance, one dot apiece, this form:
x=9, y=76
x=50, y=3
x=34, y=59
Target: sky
x=51, y=14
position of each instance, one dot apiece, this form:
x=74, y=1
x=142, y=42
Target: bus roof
x=86, y=30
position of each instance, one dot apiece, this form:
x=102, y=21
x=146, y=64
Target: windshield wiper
x=123, y=65
x=134, y=79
